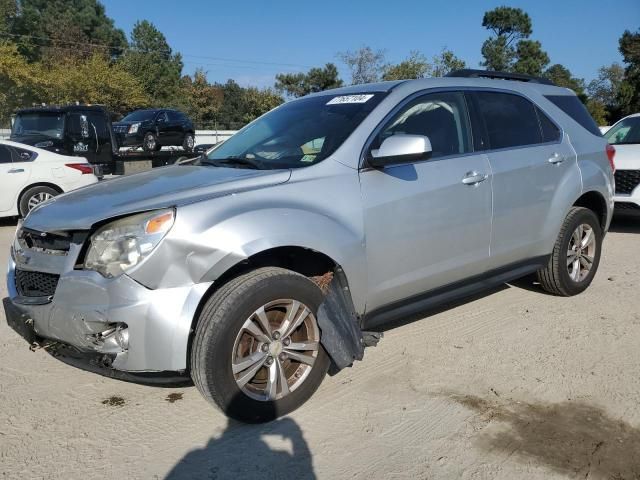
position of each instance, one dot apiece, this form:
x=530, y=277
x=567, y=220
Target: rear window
x=511, y=120
x=572, y=106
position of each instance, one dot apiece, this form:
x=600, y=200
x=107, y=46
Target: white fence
x=202, y=136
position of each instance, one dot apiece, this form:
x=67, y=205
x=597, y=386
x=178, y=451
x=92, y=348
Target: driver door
x=426, y=224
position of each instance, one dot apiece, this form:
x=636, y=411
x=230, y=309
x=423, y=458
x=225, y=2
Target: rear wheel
x=256, y=352
x=576, y=254
x=33, y=197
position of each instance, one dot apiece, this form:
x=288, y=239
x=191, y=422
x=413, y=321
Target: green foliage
x=242, y=105
x=507, y=22
x=417, y=66
x=598, y=111
x=150, y=59
x=70, y=27
x=315, y=80
x=203, y=100
x=366, y=65
x=630, y=50
x=510, y=50
x=530, y=58
x=16, y=81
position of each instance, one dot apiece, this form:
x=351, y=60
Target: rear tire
x=576, y=254
x=225, y=335
x=33, y=197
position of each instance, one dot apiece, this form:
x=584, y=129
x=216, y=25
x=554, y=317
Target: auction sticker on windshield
x=349, y=99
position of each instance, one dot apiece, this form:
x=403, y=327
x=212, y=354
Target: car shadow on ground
x=271, y=450
x=571, y=437
x=625, y=224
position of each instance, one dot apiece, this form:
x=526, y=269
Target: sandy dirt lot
x=511, y=384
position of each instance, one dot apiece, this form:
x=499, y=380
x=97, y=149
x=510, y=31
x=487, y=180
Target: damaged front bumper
x=133, y=328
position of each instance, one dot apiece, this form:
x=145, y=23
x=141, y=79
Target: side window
x=5, y=154
x=22, y=155
x=511, y=120
x=440, y=116
x=550, y=132
x=162, y=118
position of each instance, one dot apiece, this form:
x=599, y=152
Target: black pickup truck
x=83, y=131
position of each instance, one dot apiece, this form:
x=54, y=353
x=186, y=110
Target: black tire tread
x=549, y=276
x=214, y=313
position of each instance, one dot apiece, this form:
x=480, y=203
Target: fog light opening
x=122, y=336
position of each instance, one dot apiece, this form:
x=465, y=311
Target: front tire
x=256, y=352
x=189, y=142
x=576, y=254
x=150, y=143
x=33, y=197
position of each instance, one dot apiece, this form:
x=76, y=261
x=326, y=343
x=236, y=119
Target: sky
x=251, y=41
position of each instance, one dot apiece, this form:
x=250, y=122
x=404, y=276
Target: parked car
x=30, y=176
x=73, y=130
x=625, y=137
x=203, y=147
x=154, y=129
x=280, y=253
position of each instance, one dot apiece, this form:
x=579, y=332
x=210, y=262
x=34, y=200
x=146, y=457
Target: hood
x=627, y=157
x=158, y=188
x=127, y=124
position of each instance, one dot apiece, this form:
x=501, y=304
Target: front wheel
x=188, y=143
x=256, y=352
x=576, y=254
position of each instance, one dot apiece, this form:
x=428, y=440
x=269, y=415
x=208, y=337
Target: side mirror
x=401, y=148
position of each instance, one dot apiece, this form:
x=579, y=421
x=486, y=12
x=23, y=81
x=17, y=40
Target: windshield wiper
x=239, y=161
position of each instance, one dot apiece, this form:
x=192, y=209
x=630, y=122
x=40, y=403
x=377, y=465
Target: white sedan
x=625, y=137
x=29, y=176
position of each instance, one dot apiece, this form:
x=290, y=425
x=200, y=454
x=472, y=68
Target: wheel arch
x=24, y=190
x=594, y=201
x=305, y=261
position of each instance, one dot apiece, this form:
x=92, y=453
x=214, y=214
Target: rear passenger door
x=427, y=224
x=529, y=160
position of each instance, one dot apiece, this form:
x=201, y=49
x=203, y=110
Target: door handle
x=474, y=178
x=555, y=159
x=16, y=170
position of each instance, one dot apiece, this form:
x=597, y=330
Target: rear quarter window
x=572, y=106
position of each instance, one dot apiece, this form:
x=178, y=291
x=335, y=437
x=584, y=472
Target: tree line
x=63, y=51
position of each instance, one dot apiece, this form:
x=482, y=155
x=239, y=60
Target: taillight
x=611, y=153
x=85, y=168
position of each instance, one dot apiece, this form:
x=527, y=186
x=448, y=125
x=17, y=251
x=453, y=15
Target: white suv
x=625, y=136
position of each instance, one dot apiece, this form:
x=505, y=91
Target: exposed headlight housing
x=134, y=128
x=121, y=245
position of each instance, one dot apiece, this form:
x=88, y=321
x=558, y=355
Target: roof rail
x=470, y=73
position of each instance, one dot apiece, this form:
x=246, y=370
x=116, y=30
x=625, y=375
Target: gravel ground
x=511, y=384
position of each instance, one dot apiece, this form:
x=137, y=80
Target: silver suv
x=273, y=258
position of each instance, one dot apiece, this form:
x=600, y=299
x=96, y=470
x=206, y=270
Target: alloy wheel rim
x=190, y=141
x=151, y=142
x=581, y=252
x=275, y=350
x=37, y=199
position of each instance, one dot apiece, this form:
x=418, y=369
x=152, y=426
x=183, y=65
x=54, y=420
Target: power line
x=161, y=51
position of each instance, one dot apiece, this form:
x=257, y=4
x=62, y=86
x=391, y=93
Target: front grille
x=36, y=284
x=120, y=128
x=627, y=206
x=627, y=181
x=51, y=243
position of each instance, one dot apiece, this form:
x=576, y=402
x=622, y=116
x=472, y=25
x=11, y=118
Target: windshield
x=50, y=124
x=139, y=116
x=626, y=131
x=297, y=134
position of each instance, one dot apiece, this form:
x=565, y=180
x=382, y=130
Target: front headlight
x=134, y=128
x=121, y=245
